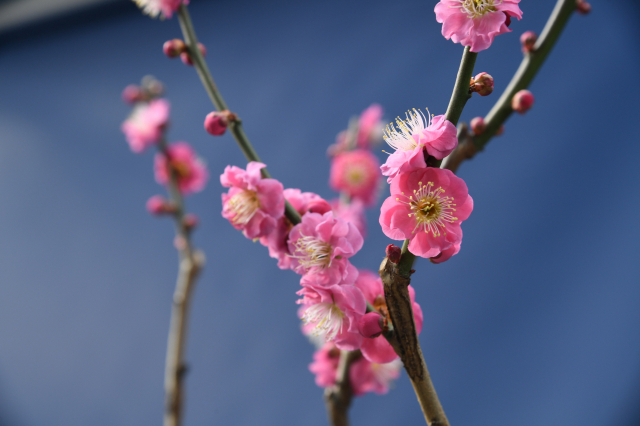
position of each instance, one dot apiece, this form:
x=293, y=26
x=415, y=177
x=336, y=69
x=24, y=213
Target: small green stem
x=235, y=127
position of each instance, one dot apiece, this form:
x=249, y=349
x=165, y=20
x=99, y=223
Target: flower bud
x=132, y=94
x=481, y=84
x=500, y=130
x=173, y=48
x=583, y=7
x=191, y=221
x=369, y=325
x=318, y=206
x=528, y=40
x=478, y=126
x=522, y=101
x=158, y=205
x=186, y=59
x=216, y=122
x=394, y=253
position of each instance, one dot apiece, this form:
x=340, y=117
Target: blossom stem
x=191, y=262
x=235, y=127
x=461, y=94
x=525, y=74
x=337, y=398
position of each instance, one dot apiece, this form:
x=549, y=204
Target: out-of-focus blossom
x=357, y=174
x=145, y=125
x=164, y=8
x=190, y=171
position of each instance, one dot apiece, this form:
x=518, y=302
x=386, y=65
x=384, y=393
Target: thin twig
x=191, y=262
x=337, y=398
x=235, y=127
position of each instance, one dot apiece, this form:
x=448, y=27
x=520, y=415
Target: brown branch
x=337, y=398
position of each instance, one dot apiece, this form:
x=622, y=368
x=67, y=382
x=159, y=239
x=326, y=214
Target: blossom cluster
x=333, y=294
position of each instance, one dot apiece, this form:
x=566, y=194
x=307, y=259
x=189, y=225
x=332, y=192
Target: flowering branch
x=528, y=69
x=337, y=398
x=235, y=126
x=191, y=263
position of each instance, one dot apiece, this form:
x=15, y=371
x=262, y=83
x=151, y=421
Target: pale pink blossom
x=165, y=8
x=252, y=205
x=352, y=212
x=370, y=126
x=475, y=23
x=357, y=174
x=333, y=312
x=277, y=240
x=378, y=349
x=321, y=245
x=145, y=125
x=190, y=171
x=411, y=137
x=366, y=376
x=426, y=206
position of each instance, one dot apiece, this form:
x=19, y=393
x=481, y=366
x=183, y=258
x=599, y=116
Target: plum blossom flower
x=190, y=170
x=277, y=240
x=427, y=207
x=252, y=205
x=366, y=376
x=325, y=365
x=166, y=8
x=418, y=133
x=475, y=23
x=321, y=244
x=357, y=174
x=145, y=125
x=378, y=349
x=369, y=126
x=352, y=212
x=333, y=312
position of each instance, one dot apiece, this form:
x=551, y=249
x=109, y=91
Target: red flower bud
x=582, y=7
x=522, y=101
x=158, y=205
x=478, y=126
x=394, y=253
x=528, y=40
x=173, y=48
x=191, y=221
x=370, y=325
x=481, y=84
x=132, y=94
x=184, y=56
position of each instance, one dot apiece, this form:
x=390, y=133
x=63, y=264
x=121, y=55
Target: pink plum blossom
x=357, y=174
x=366, y=376
x=427, y=207
x=378, y=349
x=165, y=8
x=145, y=125
x=190, y=170
x=325, y=365
x=277, y=240
x=321, y=244
x=418, y=133
x=475, y=23
x=252, y=205
x=369, y=126
x=352, y=212
x=333, y=312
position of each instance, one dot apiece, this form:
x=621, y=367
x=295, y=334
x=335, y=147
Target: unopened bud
x=186, y=58
x=158, y=205
x=478, y=126
x=132, y=94
x=522, y=101
x=318, y=206
x=482, y=84
x=500, y=130
x=583, y=7
x=528, y=40
x=191, y=221
x=370, y=325
x=216, y=122
x=394, y=253
x=173, y=48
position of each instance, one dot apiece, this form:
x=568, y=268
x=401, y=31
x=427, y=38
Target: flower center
x=477, y=8
x=403, y=135
x=430, y=208
x=327, y=317
x=245, y=204
x=312, y=252
x=355, y=176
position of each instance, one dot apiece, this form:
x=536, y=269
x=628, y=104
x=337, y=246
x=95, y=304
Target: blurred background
x=535, y=322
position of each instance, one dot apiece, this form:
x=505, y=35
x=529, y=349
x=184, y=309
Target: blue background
x=535, y=322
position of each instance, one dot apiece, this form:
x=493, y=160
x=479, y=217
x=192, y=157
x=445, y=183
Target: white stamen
x=327, y=317
x=401, y=138
x=430, y=208
x=476, y=8
x=245, y=204
x=312, y=252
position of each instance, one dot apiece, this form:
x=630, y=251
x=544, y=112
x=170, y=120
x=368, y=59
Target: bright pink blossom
x=325, y=365
x=370, y=126
x=252, y=205
x=427, y=207
x=366, y=376
x=190, y=170
x=352, y=212
x=475, y=23
x=378, y=349
x=166, y=8
x=333, y=312
x=413, y=136
x=321, y=245
x=357, y=174
x=277, y=240
x=145, y=125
